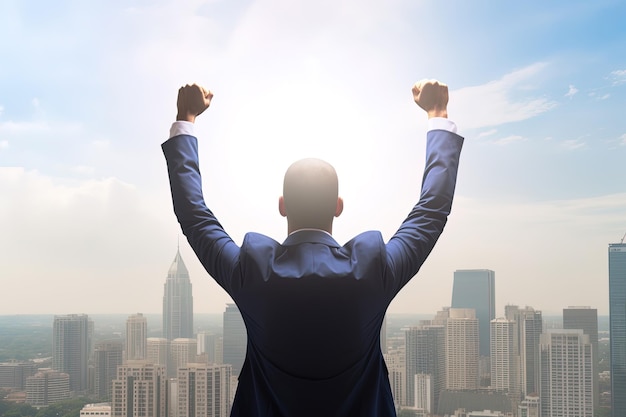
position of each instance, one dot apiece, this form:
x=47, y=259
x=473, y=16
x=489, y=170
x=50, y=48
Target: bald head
x=310, y=195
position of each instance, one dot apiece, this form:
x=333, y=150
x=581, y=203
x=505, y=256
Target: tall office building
x=586, y=318
x=14, y=374
x=140, y=390
x=475, y=288
x=462, y=349
x=158, y=350
x=396, y=365
x=207, y=346
x=617, y=326
x=235, y=338
x=182, y=352
x=529, y=327
x=177, y=302
x=136, y=337
x=204, y=390
x=108, y=355
x=71, y=346
x=505, y=358
x=425, y=355
x=566, y=384
x=46, y=387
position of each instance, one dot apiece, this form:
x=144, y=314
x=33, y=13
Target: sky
x=88, y=94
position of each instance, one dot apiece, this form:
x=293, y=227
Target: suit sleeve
x=215, y=249
x=412, y=243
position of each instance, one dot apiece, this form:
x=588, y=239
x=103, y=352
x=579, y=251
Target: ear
x=339, y=208
x=281, y=206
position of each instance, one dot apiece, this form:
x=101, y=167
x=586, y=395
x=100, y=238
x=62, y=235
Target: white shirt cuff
x=441, y=123
x=181, y=128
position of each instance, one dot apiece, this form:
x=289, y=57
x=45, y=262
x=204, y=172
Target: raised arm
x=213, y=246
x=412, y=243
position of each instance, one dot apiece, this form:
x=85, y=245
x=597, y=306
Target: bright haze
x=88, y=93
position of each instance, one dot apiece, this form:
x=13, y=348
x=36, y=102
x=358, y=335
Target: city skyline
x=538, y=92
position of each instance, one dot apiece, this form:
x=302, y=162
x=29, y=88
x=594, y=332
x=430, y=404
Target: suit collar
x=310, y=236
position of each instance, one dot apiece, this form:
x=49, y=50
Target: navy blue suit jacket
x=313, y=308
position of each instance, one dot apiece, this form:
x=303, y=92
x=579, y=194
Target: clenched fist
x=192, y=101
x=432, y=96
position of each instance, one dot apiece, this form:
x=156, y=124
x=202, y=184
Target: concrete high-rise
x=71, y=347
x=586, y=318
x=177, y=302
x=505, y=358
x=529, y=327
x=462, y=349
x=475, y=288
x=204, y=390
x=425, y=355
x=395, y=360
x=158, y=349
x=46, y=387
x=182, y=352
x=136, y=337
x=235, y=338
x=140, y=390
x=566, y=384
x=617, y=327
x=108, y=355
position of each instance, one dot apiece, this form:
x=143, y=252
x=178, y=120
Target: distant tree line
x=66, y=408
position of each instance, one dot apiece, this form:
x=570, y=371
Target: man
x=313, y=309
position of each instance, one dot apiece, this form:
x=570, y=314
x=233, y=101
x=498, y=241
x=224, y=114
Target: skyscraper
x=529, y=326
x=505, y=358
x=182, y=352
x=425, y=355
x=586, y=318
x=617, y=327
x=108, y=355
x=462, y=349
x=204, y=390
x=235, y=338
x=136, y=337
x=158, y=349
x=177, y=302
x=71, y=346
x=475, y=288
x=566, y=386
x=140, y=390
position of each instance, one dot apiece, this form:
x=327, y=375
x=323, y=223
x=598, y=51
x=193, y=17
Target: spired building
x=177, y=302
x=617, y=326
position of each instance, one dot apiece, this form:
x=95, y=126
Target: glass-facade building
x=617, y=327
x=475, y=288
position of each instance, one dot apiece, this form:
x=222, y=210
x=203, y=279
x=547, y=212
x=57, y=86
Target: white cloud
x=572, y=144
x=509, y=139
x=4, y=144
x=24, y=127
x=618, y=77
x=492, y=104
x=571, y=92
x=487, y=133
x=95, y=236
x=623, y=139
x=603, y=97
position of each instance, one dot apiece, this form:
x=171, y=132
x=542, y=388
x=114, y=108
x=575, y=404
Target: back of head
x=310, y=192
